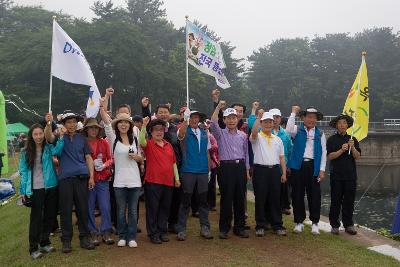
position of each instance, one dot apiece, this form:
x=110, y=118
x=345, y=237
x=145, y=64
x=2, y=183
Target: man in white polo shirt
x=269, y=171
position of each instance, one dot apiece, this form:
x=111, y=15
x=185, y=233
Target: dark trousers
x=174, y=210
x=113, y=203
x=73, y=191
x=303, y=181
x=267, y=185
x=232, y=181
x=343, y=193
x=43, y=214
x=158, y=203
x=212, y=189
x=194, y=204
x=285, y=196
x=193, y=184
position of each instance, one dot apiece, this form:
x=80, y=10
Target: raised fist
x=109, y=91
x=296, y=109
x=48, y=117
x=260, y=113
x=146, y=121
x=216, y=93
x=255, y=105
x=222, y=104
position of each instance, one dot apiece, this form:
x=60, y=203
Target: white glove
x=186, y=115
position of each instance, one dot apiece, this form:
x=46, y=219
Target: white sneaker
x=315, y=229
x=298, y=228
x=132, y=244
x=121, y=243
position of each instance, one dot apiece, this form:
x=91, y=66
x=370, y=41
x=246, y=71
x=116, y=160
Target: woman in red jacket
x=102, y=163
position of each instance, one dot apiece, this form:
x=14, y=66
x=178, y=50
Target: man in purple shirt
x=234, y=168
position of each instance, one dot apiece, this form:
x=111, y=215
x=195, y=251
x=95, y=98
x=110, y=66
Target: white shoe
x=298, y=228
x=315, y=229
x=132, y=244
x=121, y=243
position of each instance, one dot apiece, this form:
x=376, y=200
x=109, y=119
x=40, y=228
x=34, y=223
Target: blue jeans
x=127, y=197
x=101, y=194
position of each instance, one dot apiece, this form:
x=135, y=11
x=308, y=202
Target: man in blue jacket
x=307, y=163
x=195, y=157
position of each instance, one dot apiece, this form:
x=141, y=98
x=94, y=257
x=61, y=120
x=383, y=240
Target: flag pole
x=51, y=63
x=358, y=89
x=187, y=64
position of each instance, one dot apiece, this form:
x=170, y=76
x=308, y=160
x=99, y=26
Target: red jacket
x=101, y=146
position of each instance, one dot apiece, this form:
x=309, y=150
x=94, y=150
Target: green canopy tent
x=15, y=129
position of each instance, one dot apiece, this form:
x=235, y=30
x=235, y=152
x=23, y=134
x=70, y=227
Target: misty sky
x=251, y=24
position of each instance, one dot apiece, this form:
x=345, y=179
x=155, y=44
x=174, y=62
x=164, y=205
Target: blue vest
x=193, y=160
x=296, y=158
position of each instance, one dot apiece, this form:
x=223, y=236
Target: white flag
x=69, y=64
x=205, y=55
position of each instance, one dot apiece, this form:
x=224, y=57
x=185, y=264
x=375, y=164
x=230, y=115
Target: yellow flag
x=357, y=103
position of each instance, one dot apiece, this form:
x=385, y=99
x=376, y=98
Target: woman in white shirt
x=127, y=181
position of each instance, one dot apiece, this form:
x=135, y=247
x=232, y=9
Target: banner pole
x=51, y=60
x=187, y=64
x=358, y=89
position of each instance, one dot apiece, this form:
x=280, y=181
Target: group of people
x=107, y=164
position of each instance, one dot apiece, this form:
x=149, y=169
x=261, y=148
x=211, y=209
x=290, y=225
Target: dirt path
x=195, y=251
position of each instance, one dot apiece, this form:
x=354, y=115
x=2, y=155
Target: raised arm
x=48, y=133
x=143, y=132
x=146, y=107
x=256, y=126
x=291, y=127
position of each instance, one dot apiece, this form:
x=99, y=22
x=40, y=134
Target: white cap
x=267, y=116
x=275, y=112
x=230, y=111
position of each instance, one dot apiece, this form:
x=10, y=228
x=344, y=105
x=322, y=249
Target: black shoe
x=86, y=243
x=246, y=227
x=155, y=240
x=350, y=230
x=241, y=233
x=223, y=235
x=164, y=238
x=213, y=209
x=66, y=247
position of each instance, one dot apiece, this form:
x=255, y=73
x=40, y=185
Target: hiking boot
x=108, y=239
x=335, y=231
x=241, y=233
x=155, y=240
x=195, y=214
x=280, y=232
x=205, y=232
x=47, y=249
x=36, y=254
x=260, y=232
x=164, y=238
x=350, y=230
x=94, y=237
x=298, y=228
x=66, y=247
x=223, y=235
x=181, y=236
x=314, y=229
x=86, y=244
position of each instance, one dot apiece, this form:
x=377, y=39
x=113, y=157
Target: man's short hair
x=162, y=106
x=124, y=106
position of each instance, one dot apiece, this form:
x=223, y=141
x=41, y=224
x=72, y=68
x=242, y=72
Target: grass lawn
x=293, y=250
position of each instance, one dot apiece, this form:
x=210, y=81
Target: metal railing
x=385, y=125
